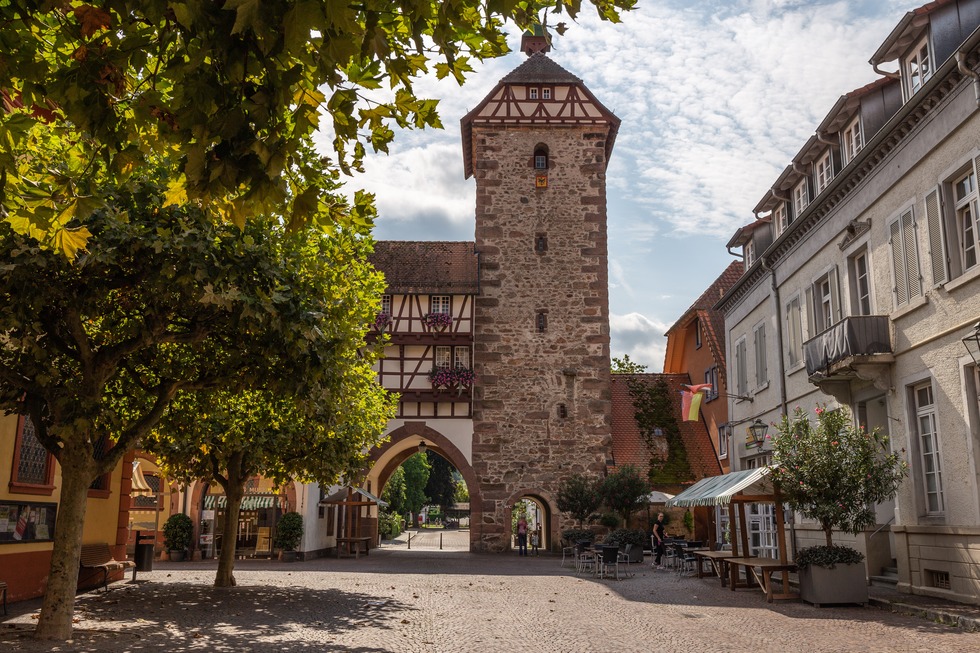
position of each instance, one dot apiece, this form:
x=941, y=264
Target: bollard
x=409, y=540
x=440, y=541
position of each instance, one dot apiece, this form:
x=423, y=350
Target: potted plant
x=177, y=533
x=289, y=532
x=437, y=320
x=835, y=473
x=623, y=536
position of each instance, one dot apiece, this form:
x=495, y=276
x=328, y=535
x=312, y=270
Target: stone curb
x=968, y=623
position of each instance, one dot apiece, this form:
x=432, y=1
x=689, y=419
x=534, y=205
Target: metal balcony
x=859, y=346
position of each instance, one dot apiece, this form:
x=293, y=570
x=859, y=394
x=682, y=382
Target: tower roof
x=513, y=102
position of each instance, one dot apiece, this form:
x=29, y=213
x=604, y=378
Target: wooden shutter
x=810, y=316
x=835, y=314
x=898, y=263
x=911, y=255
x=937, y=241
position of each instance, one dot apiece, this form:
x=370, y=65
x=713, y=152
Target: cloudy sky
x=715, y=98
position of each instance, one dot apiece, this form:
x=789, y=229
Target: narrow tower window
x=541, y=158
x=541, y=322
x=540, y=243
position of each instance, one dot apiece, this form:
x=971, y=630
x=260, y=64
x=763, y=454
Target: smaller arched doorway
x=539, y=515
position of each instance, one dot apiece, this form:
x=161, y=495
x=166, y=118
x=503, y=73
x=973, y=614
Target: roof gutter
x=885, y=73
x=969, y=72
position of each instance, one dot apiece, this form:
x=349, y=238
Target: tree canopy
x=164, y=301
x=440, y=488
x=230, y=91
x=580, y=496
x=624, y=491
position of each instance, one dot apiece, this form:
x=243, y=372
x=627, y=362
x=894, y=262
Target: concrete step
x=885, y=580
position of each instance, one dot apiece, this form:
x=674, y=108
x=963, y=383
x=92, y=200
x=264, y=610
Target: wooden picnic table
x=353, y=545
x=715, y=560
x=762, y=570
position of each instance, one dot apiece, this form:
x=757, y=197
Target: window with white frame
x=965, y=198
x=533, y=93
x=741, y=371
x=823, y=303
x=724, y=432
x=780, y=218
x=440, y=304
x=711, y=376
x=801, y=197
x=386, y=304
x=917, y=67
x=859, y=282
x=749, y=253
x=954, y=224
x=794, y=331
x=906, y=276
x=761, y=366
x=851, y=140
x=823, y=172
x=444, y=357
x=462, y=357
x=927, y=434
x=546, y=94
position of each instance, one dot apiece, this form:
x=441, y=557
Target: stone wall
x=542, y=405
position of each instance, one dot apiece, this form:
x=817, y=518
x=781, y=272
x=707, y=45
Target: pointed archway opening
x=541, y=520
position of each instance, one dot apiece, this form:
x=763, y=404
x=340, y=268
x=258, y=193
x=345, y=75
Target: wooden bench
x=99, y=557
x=353, y=545
x=762, y=570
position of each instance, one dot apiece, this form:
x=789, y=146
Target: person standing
x=658, y=541
x=535, y=541
x=522, y=536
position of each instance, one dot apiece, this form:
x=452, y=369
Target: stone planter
x=839, y=584
x=288, y=556
x=636, y=554
x=177, y=556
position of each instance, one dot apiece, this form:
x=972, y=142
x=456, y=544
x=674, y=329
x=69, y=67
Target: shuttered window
x=794, y=331
x=906, y=276
x=937, y=243
x=823, y=303
x=761, y=367
x=741, y=373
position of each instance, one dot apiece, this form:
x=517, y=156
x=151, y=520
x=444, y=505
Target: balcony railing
x=853, y=336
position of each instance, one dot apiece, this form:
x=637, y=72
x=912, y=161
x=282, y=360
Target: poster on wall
x=26, y=521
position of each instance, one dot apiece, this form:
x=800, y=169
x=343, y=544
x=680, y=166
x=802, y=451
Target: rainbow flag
x=691, y=401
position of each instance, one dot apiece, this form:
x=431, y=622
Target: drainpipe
x=969, y=72
x=885, y=73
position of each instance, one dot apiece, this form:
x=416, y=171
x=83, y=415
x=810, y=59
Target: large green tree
x=440, y=489
x=317, y=434
x=164, y=300
x=579, y=496
x=416, y=470
x=624, y=492
x=230, y=91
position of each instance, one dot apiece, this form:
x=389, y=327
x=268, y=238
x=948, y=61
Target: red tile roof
x=421, y=267
x=628, y=444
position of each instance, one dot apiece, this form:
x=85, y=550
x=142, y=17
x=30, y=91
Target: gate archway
x=548, y=512
x=403, y=443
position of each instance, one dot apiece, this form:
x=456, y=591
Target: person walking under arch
x=522, y=536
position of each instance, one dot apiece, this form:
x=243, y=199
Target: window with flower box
x=440, y=304
x=444, y=357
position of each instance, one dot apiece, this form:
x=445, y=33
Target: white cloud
x=640, y=337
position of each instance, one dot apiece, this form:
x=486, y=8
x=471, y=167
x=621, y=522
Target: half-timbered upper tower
x=538, y=146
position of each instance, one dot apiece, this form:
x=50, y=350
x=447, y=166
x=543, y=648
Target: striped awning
x=719, y=490
x=249, y=501
x=340, y=496
x=140, y=486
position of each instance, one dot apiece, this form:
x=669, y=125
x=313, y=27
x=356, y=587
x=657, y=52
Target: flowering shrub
x=437, y=320
x=834, y=472
x=382, y=322
x=446, y=377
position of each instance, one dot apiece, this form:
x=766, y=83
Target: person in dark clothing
x=658, y=541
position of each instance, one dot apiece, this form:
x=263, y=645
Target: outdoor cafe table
x=714, y=558
x=762, y=570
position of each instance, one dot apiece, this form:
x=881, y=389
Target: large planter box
x=636, y=554
x=839, y=584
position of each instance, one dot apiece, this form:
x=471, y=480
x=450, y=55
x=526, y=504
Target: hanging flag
x=691, y=401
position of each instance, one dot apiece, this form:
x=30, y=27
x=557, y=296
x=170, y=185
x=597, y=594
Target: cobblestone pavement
x=401, y=601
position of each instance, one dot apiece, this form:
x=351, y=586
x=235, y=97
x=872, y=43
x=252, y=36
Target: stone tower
x=538, y=146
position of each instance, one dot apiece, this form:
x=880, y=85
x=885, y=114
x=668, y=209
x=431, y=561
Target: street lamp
x=757, y=433
x=423, y=446
x=972, y=344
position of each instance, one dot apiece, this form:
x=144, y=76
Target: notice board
x=27, y=521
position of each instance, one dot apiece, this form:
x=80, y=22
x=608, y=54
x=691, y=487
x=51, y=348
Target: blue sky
x=715, y=98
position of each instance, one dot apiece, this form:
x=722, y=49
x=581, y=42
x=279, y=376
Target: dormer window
x=917, y=67
x=823, y=172
x=546, y=94
x=801, y=197
x=851, y=140
x=780, y=218
x=749, y=252
x=540, y=158
x=533, y=93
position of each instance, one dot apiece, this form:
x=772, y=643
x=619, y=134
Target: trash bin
x=143, y=555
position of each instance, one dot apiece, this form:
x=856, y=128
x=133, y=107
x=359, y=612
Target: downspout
x=885, y=73
x=969, y=72
x=791, y=519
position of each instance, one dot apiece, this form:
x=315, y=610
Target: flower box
x=437, y=320
x=459, y=378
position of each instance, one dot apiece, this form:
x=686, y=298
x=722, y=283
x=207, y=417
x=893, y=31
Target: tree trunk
x=828, y=531
x=234, y=491
x=59, y=595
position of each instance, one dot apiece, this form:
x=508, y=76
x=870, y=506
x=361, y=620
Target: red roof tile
x=629, y=445
x=420, y=267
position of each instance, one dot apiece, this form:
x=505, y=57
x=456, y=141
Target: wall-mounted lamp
x=972, y=344
x=423, y=447
x=757, y=434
